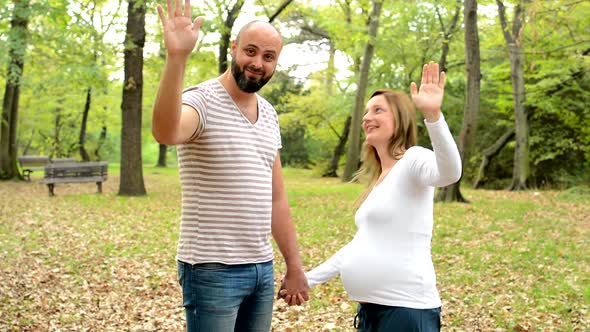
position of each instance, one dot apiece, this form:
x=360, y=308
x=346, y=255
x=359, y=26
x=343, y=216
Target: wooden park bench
x=29, y=164
x=74, y=172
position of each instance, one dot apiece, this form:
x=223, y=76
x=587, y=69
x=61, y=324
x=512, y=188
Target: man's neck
x=230, y=85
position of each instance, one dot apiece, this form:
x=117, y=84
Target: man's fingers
x=169, y=9
x=305, y=296
x=197, y=24
x=161, y=14
x=424, y=74
x=178, y=9
x=300, y=299
x=187, y=8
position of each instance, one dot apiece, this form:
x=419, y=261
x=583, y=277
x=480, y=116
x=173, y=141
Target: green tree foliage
x=62, y=68
x=556, y=81
x=67, y=55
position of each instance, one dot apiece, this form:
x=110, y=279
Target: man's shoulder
x=266, y=105
x=206, y=87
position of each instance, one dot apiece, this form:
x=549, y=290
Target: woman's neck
x=387, y=160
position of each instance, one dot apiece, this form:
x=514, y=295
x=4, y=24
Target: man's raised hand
x=180, y=33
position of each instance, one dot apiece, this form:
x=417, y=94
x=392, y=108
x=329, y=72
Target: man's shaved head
x=264, y=27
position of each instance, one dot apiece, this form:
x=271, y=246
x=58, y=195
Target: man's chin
x=250, y=86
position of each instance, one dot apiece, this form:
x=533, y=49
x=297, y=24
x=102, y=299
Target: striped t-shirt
x=226, y=177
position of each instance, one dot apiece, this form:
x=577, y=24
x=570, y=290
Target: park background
x=79, y=81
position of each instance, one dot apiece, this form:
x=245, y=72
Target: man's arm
x=172, y=122
x=283, y=231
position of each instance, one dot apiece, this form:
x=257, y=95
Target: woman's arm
x=329, y=268
x=444, y=167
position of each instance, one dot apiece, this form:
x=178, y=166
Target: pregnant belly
x=365, y=274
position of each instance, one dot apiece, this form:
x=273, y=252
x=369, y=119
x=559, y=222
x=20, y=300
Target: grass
x=509, y=261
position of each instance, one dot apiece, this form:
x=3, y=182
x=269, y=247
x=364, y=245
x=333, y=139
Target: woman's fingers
x=413, y=89
x=434, y=72
x=431, y=75
x=443, y=78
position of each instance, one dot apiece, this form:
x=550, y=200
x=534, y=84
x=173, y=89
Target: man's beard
x=245, y=84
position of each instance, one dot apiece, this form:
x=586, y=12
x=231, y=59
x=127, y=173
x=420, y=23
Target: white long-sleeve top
x=389, y=260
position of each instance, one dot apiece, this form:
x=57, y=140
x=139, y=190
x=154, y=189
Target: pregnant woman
x=387, y=267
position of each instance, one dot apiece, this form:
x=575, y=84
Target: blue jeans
x=381, y=318
x=224, y=298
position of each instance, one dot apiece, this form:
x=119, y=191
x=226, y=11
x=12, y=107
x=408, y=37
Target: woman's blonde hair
x=404, y=137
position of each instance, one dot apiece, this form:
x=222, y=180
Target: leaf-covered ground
x=85, y=262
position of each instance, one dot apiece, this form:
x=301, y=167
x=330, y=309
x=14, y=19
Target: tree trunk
x=162, y=155
x=489, y=154
x=447, y=35
x=232, y=15
x=452, y=193
x=354, y=145
x=131, y=179
x=17, y=45
x=101, y=139
x=81, y=140
x=332, y=170
x=521, y=170
x=57, y=151
x=331, y=71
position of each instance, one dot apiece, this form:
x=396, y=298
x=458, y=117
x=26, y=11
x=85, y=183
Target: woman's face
x=378, y=121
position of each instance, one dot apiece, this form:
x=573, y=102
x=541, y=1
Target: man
x=232, y=186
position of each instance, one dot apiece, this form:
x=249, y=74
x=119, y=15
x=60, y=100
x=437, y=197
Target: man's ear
x=233, y=48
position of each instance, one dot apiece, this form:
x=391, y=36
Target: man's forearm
x=283, y=232
x=168, y=104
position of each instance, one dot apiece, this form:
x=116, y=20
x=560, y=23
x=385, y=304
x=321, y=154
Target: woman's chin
x=370, y=142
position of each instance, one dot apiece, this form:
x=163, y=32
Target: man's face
x=255, y=57
x=252, y=82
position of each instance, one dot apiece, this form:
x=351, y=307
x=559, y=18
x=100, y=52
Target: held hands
x=180, y=33
x=430, y=96
x=294, y=289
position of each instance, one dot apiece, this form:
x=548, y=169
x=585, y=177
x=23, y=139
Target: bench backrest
x=62, y=160
x=33, y=160
x=77, y=170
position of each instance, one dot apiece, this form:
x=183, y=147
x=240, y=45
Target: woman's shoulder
x=417, y=151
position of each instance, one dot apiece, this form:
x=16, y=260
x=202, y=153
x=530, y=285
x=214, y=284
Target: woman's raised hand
x=428, y=99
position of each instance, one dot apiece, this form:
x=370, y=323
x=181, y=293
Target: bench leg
x=50, y=186
x=27, y=174
x=99, y=187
